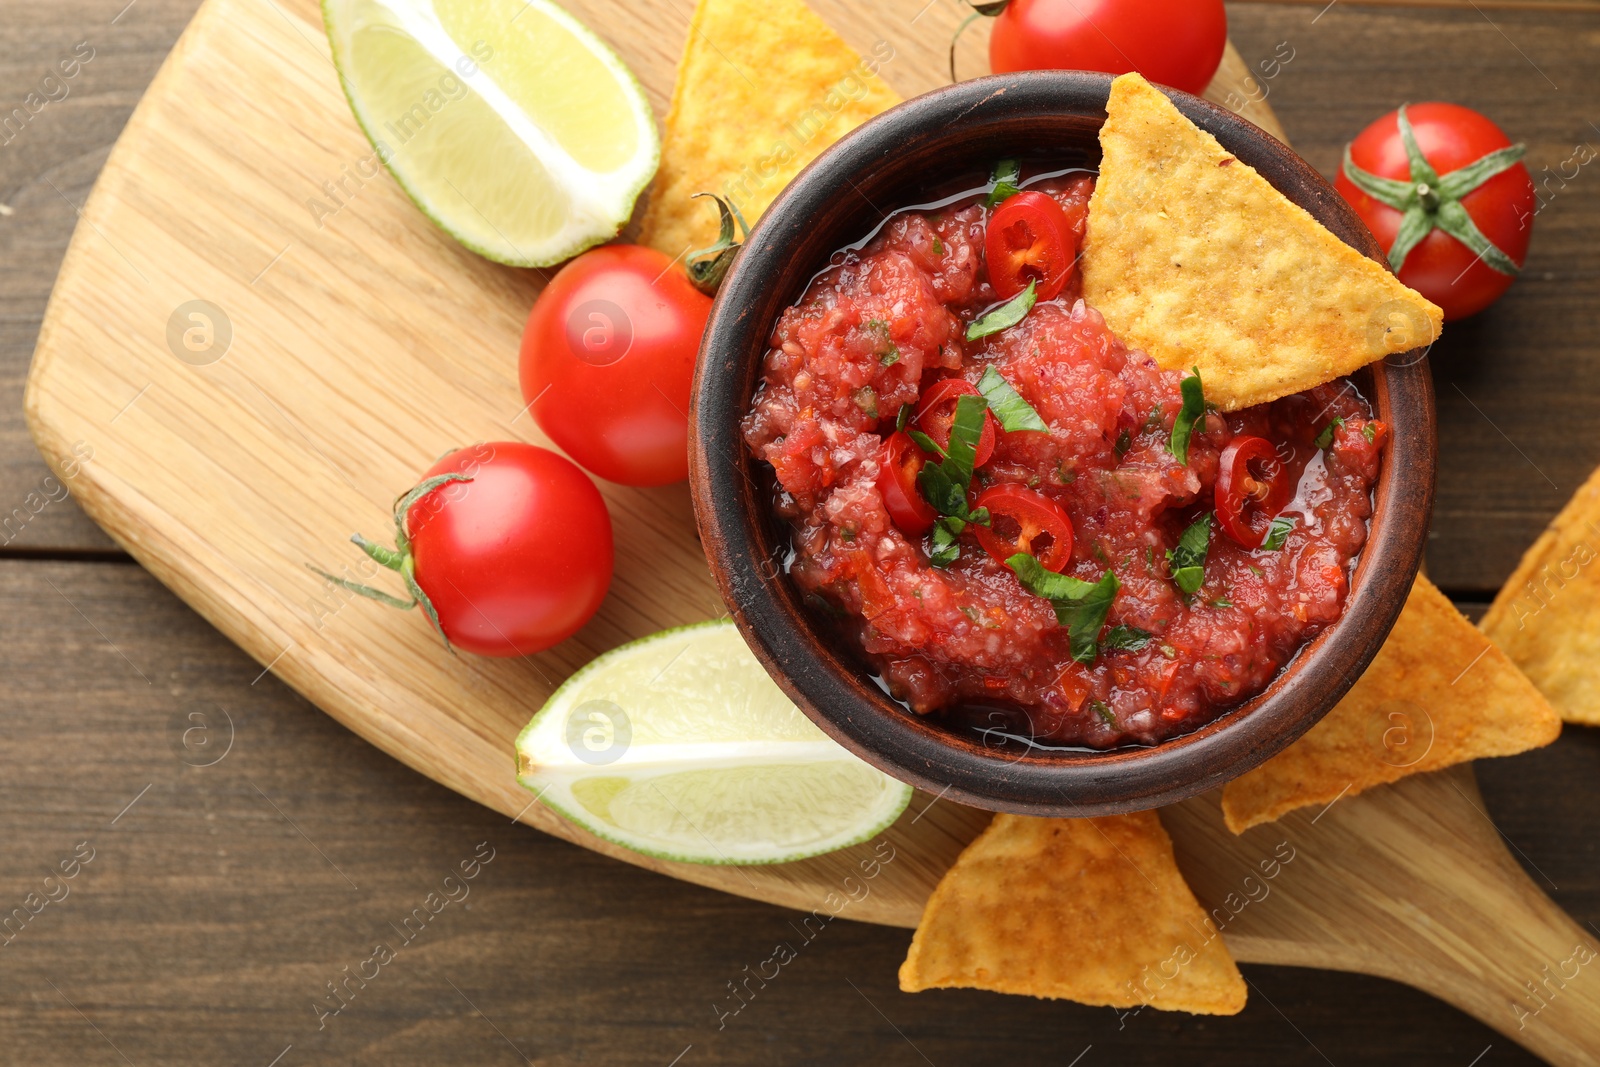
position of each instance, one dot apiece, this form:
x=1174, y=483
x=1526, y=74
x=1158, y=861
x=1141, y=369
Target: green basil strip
x=1080, y=606
x=1188, y=558
x=1194, y=406
x=1008, y=406
x=1279, y=533
x=1006, y=315
x=1005, y=182
x=1122, y=638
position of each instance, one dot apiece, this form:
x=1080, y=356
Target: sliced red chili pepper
x=1021, y=520
x=898, y=468
x=1252, y=487
x=1029, y=238
x=937, y=410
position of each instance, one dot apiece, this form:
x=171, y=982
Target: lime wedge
x=508, y=122
x=679, y=746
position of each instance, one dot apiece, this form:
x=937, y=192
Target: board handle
x=1412, y=882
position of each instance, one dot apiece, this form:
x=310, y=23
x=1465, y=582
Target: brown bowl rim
x=745, y=546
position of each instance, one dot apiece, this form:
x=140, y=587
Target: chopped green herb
x=902, y=418
x=1167, y=650
x=1194, y=406
x=867, y=400
x=1122, y=638
x=1370, y=432
x=1008, y=406
x=970, y=612
x=1152, y=420
x=1257, y=571
x=1006, y=181
x=878, y=326
x=945, y=483
x=891, y=357
x=1102, y=709
x=923, y=441
x=938, y=247
x=1279, y=533
x=1100, y=552
x=1325, y=438
x=1006, y=315
x=1124, y=442
x=1080, y=606
x=1188, y=559
x=1222, y=602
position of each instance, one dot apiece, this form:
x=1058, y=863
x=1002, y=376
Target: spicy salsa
x=1003, y=506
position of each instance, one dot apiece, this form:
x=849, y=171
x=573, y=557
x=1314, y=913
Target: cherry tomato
x=607, y=360
x=1173, y=42
x=1461, y=280
x=1252, y=487
x=1021, y=520
x=937, y=410
x=518, y=558
x=898, y=468
x=1029, y=238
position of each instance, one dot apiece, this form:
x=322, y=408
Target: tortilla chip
x=1437, y=694
x=1194, y=257
x=763, y=87
x=1547, y=617
x=1092, y=910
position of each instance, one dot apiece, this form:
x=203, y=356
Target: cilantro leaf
x=1188, y=558
x=1279, y=533
x=1325, y=438
x=1194, y=406
x=1008, y=314
x=1121, y=638
x=902, y=418
x=890, y=357
x=1005, y=182
x=1008, y=406
x=1080, y=606
x=945, y=547
x=1102, y=709
x=1370, y=432
x=1124, y=442
x=945, y=483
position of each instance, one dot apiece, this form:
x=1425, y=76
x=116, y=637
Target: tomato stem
x=399, y=558
x=706, y=274
x=1428, y=201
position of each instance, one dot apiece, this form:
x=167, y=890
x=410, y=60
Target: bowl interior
x=926, y=148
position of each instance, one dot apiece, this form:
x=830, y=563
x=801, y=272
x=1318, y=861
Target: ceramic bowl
x=907, y=156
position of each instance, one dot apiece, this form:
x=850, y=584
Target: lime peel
x=469, y=155
x=680, y=747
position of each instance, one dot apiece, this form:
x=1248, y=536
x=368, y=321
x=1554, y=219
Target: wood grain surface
x=84, y=663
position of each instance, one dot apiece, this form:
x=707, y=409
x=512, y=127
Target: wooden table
x=246, y=851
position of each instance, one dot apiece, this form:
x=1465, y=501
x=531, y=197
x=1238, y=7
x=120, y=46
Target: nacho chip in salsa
x=1195, y=258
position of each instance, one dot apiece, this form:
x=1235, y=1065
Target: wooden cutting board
x=355, y=343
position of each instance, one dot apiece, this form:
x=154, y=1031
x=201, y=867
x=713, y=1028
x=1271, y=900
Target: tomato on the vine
x=1252, y=488
x=607, y=362
x=1021, y=520
x=1029, y=238
x=505, y=546
x=898, y=468
x=1173, y=42
x=937, y=410
x=1446, y=194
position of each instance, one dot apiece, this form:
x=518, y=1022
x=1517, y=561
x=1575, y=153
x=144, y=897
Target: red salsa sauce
x=884, y=327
